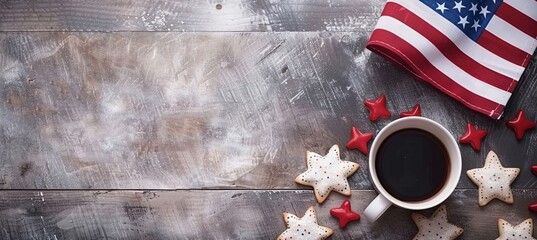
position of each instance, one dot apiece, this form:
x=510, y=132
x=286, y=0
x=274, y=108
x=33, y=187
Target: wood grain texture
x=210, y=110
x=212, y=113
x=225, y=214
x=190, y=16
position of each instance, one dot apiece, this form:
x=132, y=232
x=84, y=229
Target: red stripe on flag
x=448, y=48
x=518, y=19
x=503, y=49
x=395, y=48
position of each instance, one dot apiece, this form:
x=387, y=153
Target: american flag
x=473, y=50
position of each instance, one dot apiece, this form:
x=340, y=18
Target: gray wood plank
x=210, y=110
x=225, y=214
x=189, y=16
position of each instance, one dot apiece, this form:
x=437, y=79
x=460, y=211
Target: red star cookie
x=377, y=108
x=416, y=112
x=359, y=140
x=534, y=170
x=344, y=214
x=520, y=124
x=473, y=136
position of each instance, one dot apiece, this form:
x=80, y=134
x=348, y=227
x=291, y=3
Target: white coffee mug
x=384, y=200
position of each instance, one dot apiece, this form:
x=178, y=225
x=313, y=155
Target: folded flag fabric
x=473, y=50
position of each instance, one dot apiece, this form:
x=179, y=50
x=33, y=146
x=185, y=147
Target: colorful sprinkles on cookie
x=327, y=173
x=435, y=227
x=304, y=228
x=493, y=180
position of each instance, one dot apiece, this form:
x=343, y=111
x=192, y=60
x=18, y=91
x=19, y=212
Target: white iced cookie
x=304, y=228
x=327, y=173
x=523, y=230
x=435, y=227
x=493, y=180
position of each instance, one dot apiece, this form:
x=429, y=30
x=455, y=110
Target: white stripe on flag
x=463, y=42
x=528, y=7
x=510, y=34
x=437, y=59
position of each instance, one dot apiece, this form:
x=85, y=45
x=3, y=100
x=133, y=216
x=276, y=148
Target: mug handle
x=376, y=208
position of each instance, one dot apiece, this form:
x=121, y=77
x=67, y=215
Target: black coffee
x=412, y=164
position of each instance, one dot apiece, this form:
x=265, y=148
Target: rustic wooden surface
x=209, y=110
x=190, y=16
x=225, y=214
x=222, y=114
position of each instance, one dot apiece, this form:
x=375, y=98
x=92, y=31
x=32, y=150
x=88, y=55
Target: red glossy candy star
x=473, y=136
x=533, y=207
x=359, y=140
x=416, y=112
x=344, y=214
x=534, y=170
x=377, y=108
x=520, y=124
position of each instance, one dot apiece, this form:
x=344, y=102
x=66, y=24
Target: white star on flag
x=474, y=8
x=484, y=11
x=463, y=21
x=459, y=6
x=441, y=7
x=476, y=25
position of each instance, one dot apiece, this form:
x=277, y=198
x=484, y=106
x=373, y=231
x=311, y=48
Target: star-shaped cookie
x=523, y=230
x=304, y=228
x=435, y=227
x=493, y=180
x=327, y=173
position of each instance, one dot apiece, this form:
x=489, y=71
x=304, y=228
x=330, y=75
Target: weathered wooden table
x=191, y=119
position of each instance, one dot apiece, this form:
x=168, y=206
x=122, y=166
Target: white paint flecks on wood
x=191, y=16
x=225, y=214
x=208, y=110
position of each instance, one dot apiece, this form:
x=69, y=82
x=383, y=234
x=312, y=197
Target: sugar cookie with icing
x=435, y=227
x=523, y=230
x=305, y=227
x=327, y=173
x=493, y=180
